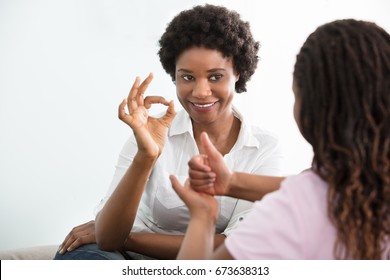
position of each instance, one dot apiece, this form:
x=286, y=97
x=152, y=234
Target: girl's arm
x=198, y=242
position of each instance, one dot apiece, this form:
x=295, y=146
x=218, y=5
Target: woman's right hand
x=150, y=133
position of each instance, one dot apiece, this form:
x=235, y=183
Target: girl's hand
x=150, y=133
x=201, y=205
x=209, y=173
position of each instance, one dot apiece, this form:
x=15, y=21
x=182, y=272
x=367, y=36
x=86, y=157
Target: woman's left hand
x=78, y=236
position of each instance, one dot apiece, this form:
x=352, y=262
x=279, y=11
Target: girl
x=339, y=209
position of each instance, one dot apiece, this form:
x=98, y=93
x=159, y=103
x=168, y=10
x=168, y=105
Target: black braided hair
x=342, y=74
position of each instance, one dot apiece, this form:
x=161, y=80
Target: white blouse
x=161, y=210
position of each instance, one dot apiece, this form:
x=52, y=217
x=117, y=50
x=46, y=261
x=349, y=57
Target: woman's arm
x=162, y=246
x=115, y=221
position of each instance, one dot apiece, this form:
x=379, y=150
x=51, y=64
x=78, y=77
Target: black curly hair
x=213, y=27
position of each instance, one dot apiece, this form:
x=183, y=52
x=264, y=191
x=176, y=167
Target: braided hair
x=342, y=74
x=213, y=27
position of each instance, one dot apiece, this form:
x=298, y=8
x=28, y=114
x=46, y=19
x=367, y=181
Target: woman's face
x=205, y=84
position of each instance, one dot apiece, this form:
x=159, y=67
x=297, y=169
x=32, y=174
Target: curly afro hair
x=213, y=27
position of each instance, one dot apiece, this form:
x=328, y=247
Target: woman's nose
x=201, y=89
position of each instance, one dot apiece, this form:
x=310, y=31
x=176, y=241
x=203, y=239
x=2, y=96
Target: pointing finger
x=132, y=97
x=142, y=88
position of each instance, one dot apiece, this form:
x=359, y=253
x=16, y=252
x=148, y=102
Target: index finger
x=142, y=88
x=135, y=97
x=131, y=98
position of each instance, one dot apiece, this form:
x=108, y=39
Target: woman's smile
x=203, y=107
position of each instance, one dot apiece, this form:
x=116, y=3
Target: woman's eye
x=215, y=77
x=188, y=78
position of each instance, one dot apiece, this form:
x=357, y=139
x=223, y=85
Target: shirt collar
x=182, y=124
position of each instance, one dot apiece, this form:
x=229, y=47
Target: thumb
x=209, y=147
x=177, y=187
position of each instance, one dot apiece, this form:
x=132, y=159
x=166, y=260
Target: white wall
x=65, y=66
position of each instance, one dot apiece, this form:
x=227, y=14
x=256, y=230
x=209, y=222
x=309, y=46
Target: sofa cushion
x=32, y=253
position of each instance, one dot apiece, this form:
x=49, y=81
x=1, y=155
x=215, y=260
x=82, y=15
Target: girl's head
x=342, y=90
x=211, y=27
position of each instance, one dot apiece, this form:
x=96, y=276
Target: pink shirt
x=291, y=223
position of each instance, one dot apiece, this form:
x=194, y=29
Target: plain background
x=66, y=65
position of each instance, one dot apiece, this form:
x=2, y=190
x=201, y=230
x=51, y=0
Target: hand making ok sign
x=150, y=133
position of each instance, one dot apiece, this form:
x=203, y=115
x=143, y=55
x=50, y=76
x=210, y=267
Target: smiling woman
x=205, y=86
x=142, y=217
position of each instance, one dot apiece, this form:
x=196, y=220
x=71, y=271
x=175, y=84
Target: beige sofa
x=31, y=253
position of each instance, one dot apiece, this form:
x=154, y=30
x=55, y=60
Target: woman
x=340, y=208
x=210, y=54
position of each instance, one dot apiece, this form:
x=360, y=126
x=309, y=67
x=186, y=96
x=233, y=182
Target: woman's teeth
x=204, y=105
